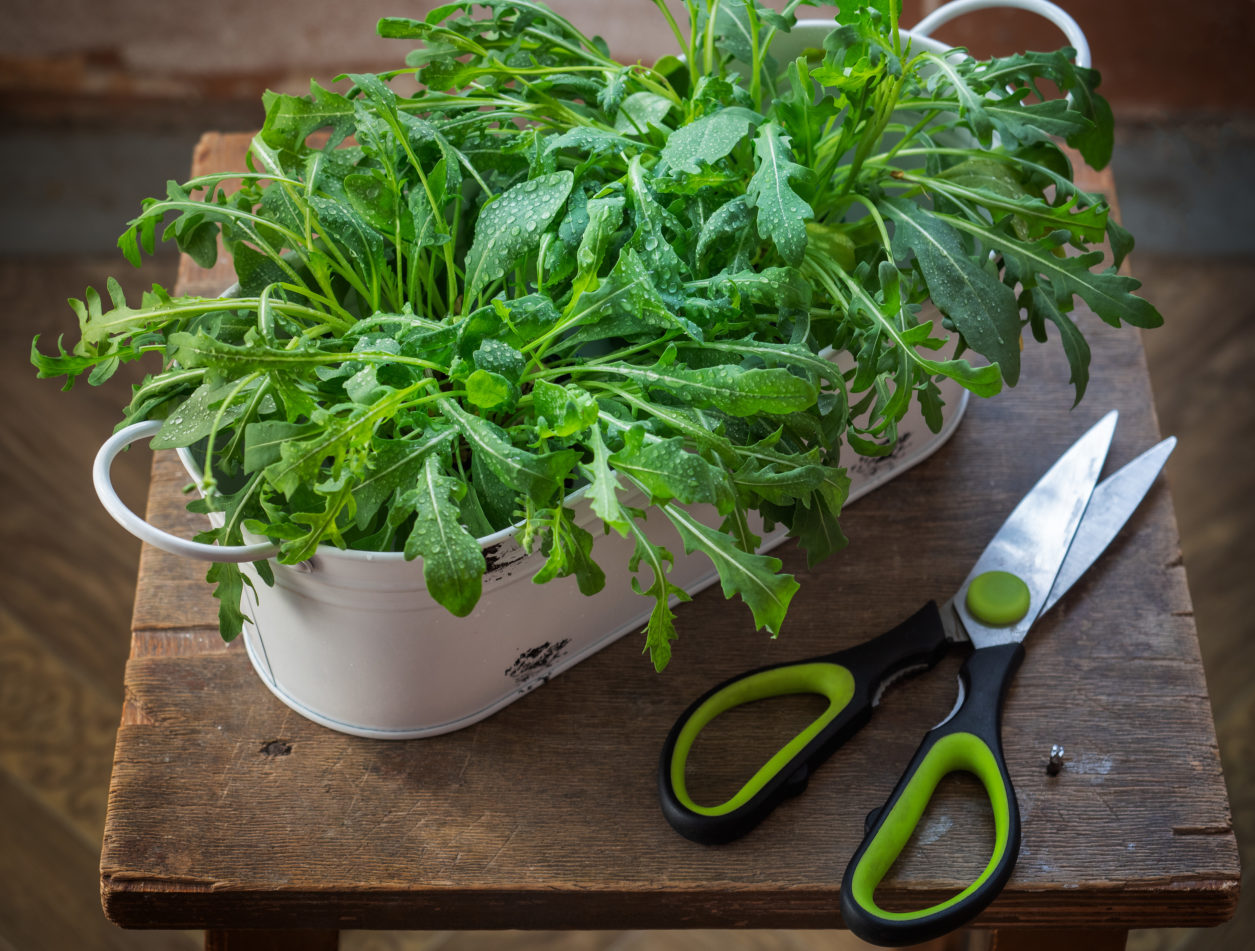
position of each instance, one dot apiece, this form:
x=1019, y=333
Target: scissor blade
x=1032, y=542
x=1114, y=501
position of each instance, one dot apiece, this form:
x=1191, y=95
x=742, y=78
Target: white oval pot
x=352, y=640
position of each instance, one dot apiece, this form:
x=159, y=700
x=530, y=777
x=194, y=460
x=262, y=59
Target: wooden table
x=229, y=811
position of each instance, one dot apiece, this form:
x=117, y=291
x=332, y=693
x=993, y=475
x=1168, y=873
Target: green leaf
x=291, y=119
x=625, y=303
x=565, y=410
x=994, y=186
x=708, y=139
x=732, y=389
x=569, y=552
x=491, y=391
x=777, y=288
x=1121, y=241
x=776, y=485
x=394, y=466
x=228, y=584
x=603, y=485
x=591, y=140
x=815, y=525
x=728, y=221
x=510, y=227
x=640, y=111
x=782, y=214
x=605, y=215
x=982, y=307
x=789, y=354
x=374, y=199
x=660, y=629
x=453, y=561
x=755, y=578
x=1110, y=294
x=322, y=526
x=1043, y=307
x=263, y=441
x=650, y=242
x=667, y=470
x=302, y=461
x=539, y=477
x=735, y=33
x=199, y=415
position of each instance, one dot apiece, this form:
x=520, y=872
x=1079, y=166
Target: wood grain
x=544, y=816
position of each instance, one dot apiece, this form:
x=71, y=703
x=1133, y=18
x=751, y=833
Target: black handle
x=850, y=679
x=970, y=740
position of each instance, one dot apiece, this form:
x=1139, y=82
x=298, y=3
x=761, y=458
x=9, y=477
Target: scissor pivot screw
x=1055, y=762
x=998, y=598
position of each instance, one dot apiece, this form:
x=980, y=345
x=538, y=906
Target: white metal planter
x=352, y=640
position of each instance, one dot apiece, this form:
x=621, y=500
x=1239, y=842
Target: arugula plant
x=542, y=270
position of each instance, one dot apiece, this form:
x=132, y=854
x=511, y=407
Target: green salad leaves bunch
x=537, y=269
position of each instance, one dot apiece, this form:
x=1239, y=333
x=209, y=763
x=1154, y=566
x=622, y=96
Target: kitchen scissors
x=1054, y=534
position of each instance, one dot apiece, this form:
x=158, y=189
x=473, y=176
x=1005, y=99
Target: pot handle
x=1056, y=15
x=150, y=533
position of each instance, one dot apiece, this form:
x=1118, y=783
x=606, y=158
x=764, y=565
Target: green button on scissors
x=1055, y=533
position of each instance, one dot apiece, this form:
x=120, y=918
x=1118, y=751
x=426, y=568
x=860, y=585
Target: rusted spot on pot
x=530, y=663
x=500, y=557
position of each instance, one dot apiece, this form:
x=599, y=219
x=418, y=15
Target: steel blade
x=1032, y=542
x=1114, y=501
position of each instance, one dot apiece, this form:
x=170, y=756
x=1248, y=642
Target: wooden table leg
x=276, y=940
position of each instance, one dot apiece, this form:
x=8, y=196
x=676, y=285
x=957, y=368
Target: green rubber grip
x=970, y=741
x=828, y=680
x=957, y=752
x=850, y=680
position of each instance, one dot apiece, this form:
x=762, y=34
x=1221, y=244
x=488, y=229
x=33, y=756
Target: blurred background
x=103, y=100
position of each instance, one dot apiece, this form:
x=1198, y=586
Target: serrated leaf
x=733, y=389
x=1042, y=306
x=394, y=466
x=569, y=549
x=453, y=561
x=781, y=213
x=667, y=470
x=603, y=485
x=754, y=577
x=982, y=307
x=660, y=629
x=301, y=461
x=228, y=584
x=816, y=526
x=1109, y=294
x=291, y=119
x=538, y=476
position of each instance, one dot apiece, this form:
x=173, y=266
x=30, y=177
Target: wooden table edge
x=128, y=902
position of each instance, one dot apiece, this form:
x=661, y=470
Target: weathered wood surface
x=545, y=815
